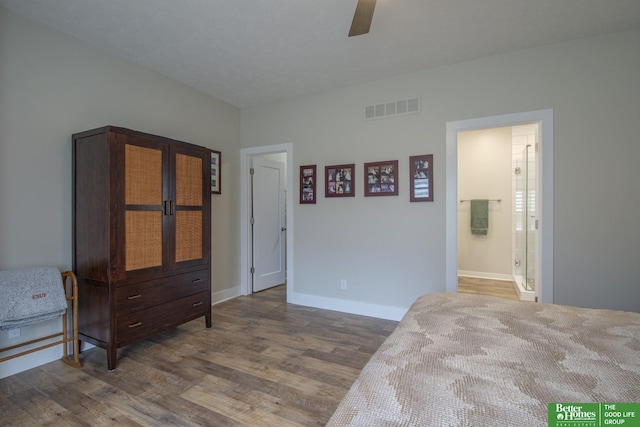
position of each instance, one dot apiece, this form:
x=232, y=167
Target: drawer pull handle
x=195, y=304
x=135, y=325
x=196, y=280
x=134, y=296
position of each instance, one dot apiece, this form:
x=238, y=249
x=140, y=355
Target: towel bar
x=72, y=360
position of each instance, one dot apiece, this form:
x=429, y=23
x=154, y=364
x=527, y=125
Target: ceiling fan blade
x=362, y=18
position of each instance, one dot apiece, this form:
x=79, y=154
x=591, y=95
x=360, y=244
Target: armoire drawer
x=137, y=325
x=140, y=296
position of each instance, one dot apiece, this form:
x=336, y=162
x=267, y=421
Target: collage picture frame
x=380, y=178
x=339, y=180
x=421, y=178
x=308, y=179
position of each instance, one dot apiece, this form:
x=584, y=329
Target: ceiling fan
x=362, y=18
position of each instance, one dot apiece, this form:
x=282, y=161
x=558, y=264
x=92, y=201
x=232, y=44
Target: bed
x=471, y=360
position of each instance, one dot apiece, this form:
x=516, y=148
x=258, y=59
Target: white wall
x=51, y=86
x=392, y=250
x=484, y=172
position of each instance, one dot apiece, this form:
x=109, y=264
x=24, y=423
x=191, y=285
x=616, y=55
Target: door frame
x=544, y=256
x=246, y=154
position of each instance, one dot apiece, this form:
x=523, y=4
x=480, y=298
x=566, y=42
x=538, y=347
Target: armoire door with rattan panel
x=142, y=227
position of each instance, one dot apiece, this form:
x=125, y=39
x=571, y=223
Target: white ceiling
x=249, y=52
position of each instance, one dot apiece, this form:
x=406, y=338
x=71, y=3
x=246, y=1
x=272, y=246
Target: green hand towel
x=479, y=217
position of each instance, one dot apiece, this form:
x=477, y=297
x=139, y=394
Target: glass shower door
x=531, y=217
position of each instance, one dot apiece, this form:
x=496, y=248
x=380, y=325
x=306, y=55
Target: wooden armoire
x=141, y=235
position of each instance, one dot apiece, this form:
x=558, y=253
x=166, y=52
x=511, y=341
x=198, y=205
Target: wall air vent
x=392, y=109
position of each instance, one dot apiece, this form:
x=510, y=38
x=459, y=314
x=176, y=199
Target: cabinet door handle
x=195, y=304
x=196, y=280
x=135, y=325
x=169, y=207
x=134, y=296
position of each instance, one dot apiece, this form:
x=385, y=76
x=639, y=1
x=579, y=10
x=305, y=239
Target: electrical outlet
x=343, y=284
x=14, y=333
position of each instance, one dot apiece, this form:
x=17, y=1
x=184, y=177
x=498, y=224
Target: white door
x=269, y=231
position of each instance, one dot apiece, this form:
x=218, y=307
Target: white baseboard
x=33, y=360
x=348, y=306
x=345, y=306
x=226, y=294
x=28, y=361
x=484, y=275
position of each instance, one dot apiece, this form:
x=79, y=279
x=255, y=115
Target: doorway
x=497, y=188
x=247, y=254
x=544, y=254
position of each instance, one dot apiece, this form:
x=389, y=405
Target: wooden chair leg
x=75, y=362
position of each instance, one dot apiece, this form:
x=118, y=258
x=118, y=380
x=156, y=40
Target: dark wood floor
x=496, y=288
x=263, y=363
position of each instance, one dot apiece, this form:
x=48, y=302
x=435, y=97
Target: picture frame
x=421, y=178
x=338, y=180
x=216, y=163
x=308, y=179
x=381, y=178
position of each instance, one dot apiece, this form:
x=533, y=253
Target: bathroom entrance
x=497, y=214
x=519, y=218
